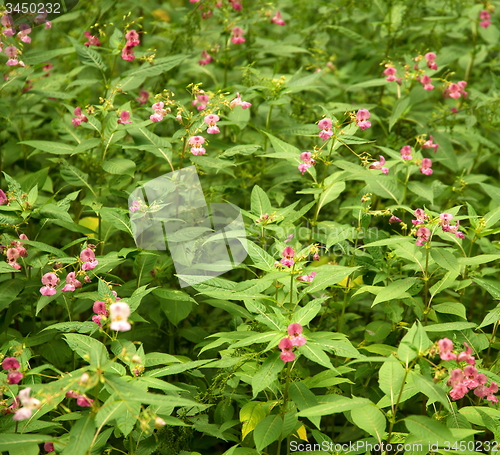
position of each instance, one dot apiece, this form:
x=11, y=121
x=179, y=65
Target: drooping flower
x=406, y=153
x=212, y=120
x=380, y=165
x=288, y=254
x=277, y=19
x=202, y=98
x=50, y=280
x=79, y=117
x=92, y=40
x=445, y=348
x=465, y=356
x=237, y=37
x=423, y=234
x=485, y=19
x=307, y=162
x=286, y=346
x=132, y=38
x=295, y=333
x=12, y=256
x=458, y=391
x=362, y=117
x=128, y=53
x=11, y=52
x=307, y=278
x=426, y=166
x=28, y=405
x=12, y=365
x=325, y=125
x=420, y=216
x=124, y=118
x=81, y=400
x=88, y=258
x=119, y=313
x=25, y=30
x=430, y=57
x=426, y=82
x=143, y=97
x=238, y=102
x=197, y=142
x=429, y=144
x=71, y=283
x=49, y=447
x=4, y=200
x=390, y=72
x=206, y=58
x=394, y=219
x=159, y=112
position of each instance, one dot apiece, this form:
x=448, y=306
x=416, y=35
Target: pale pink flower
x=380, y=165
x=143, y=97
x=423, y=235
x=390, y=73
x=286, y=346
x=92, y=40
x=88, y=258
x=406, y=153
x=428, y=144
x=430, y=57
x=307, y=162
x=119, y=313
x=196, y=142
x=466, y=356
x=325, y=125
x=25, y=30
x=156, y=118
x=212, y=120
x=207, y=58
x=307, y=278
x=124, y=118
x=28, y=403
x=48, y=25
x=362, y=117
x=79, y=117
x=288, y=254
x=420, y=215
x=445, y=348
x=426, y=166
x=136, y=205
x=492, y=389
x=456, y=377
x=426, y=82
x=12, y=256
x=50, y=280
x=202, y=98
x=238, y=102
x=277, y=19
x=471, y=377
x=458, y=391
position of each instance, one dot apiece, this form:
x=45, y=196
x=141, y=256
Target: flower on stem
x=124, y=118
x=206, y=58
x=12, y=365
x=88, y=258
x=92, y=40
x=406, y=153
x=288, y=254
x=49, y=447
x=8, y=23
x=426, y=82
x=202, y=98
x=25, y=30
x=143, y=97
x=325, y=125
x=212, y=120
x=132, y=38
x=423, y=234
x=50, y=280
x=431, y=64
x=394, y=219
x=456, y=90
x=11, y=52
x=420, y=216
x=380, y=165
x=426, y=166
x=286, y=345
x=429, y=144
x=12, y=256
x=308, y=278
x=159, y=112
x=485, y=19
x=307, y=162
x=277, y=19
x=362, y=117
x=79, y=117
x=71, y=283
x=390, y=72
x=295, y=333
x=136, y=205
x=237, y=37
x=465, y=356
x=238, y=102
x=4, y=200
x=445, y=348
x=197, y=142
x=28, y=405
x=81, y=400
x=119, y=314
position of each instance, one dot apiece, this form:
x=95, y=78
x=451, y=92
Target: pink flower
x=426, y=82
x=238, y=102
x=394, y=219
x=286, y=346
x=12, y=256
x=458, y=391
x=456, y=377
x=236, y=5
x=288, y=239
x=307, y=278
x=156, y=118
x=28, y=403
x=445, y=219
x=97, y=319
x=84, y=402
x=423, y=235
x=445, y=348
x=390, y=73
x=430, y=57
x=196, y=142
x=380, y=165
x=48, y=25
x=48, y=446
x=295, y=333
x=485, y=19
x=136, y=205
x=79, y=117
x=124, y=118
x=288, y=254
x=143, y=97
x=92, y=40
x=466, y=356
x=12, y=365
x=406, y=153
x=325, y=125
x=3, y=198
x=128, y=53
x=100, y=308
x=362, y=117
x=207, y=58
x=277, y=19
x=426, y=166
x=25, y=30
x=119, y=313
x=428, y=144
x=307, y=162
x=132, y=38
x=212, y=125
x=471, y=380
x=88, y=258
x=51, y=281
x=420, y=215
x=237, y=37
x=492, y=389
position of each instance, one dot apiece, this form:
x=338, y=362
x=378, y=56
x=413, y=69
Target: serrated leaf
x=267, y=431
x=371, y=419
x=120, y=166
x=267, y=373
x=250, y=415
x=55, y=148
x=397, y=111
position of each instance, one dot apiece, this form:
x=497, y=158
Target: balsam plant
x=359, y=140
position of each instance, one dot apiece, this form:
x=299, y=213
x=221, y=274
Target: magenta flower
x=466, y=356
x=50, y=280
x=390, y=73
x=212, y=120
x=71, y=283
x=307, y=278
x=316, y=258
x=92, y=40
x=325, y=125
x=428, y=144
x=97, y=319
x=307, y=162
x=119, y=314
x=132, y=38
x=362, y=119
x=288, y=254
x=295, y=333
x=143, y=97
x=124, y=118
x=238, y=102
x=423, y=235
x=277, y=19
x=236, y=5
x=84, y=402
x=430, y=57
x=88, y=258
x=206, y=58
x=100, y=308
x=286, y=346
x=136, y=205
x=128, y=53
x=49, y=447
x=485, y=19
x=394, y=219
x=4, y=200
x=426, y=166
x=420, y=215
x=79, y=117
x=12, y=365
x=237, y=37
x=196, y=142
x=380, y=165
x=406, y=153
x=426, y=82
x=445, y=348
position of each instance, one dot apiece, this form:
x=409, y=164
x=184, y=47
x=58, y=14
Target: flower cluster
x=380, y=165
x=468, y=378
x=238, y=102
x=426, y=82
x=431, y=64
x=362, y=117
x=266, y=218
x=118, y=312
x=444, y=222
x=136, y=205
x=159, y=112
x=485, y=19
x=237, y=37
x=287, y=344
x=211, y=120
x=277, y=19
x=423, y=233
x=12, y=365
x=456, y=90
x=325, y=125
x=79, y=117
x=92, y=40
x=197, y=145
x=132, y=41
x=307, y=162
x=16, y=249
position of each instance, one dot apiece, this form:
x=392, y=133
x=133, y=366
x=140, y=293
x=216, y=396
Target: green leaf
x=397, y=111
x=37, y=57
x=250, y=415
x=304, y=399
x=161, y=66
x=330, y=193
x=314, y=353
x=367, y=84
x=81, y=436
x=75, y=177
x=489, y=285
x=261, y=259
x=176, y=310
x=328, y=277
x=306, y=314
x=88, y=56
x=120, y=166
x=240, y=150
x=395, y=290
x=434, y=392
x=117, y=218
x=88, y=348
x=268, y=373
x=428, y=429
x=445, y=259
x=31, y=449
x=391, y=377
x=481, y=259
x=450, y=326
x=260, y=201
x=53, y=211
x=421, y=189
x=371, y=419
x=6, y=268
x=339, y=404
x=446, y=149
x=384, y=186
x=55, y=148
x=267, y=431
x=18, y=441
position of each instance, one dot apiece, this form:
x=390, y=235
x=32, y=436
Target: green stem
x=283, y=408
x=426, y=280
